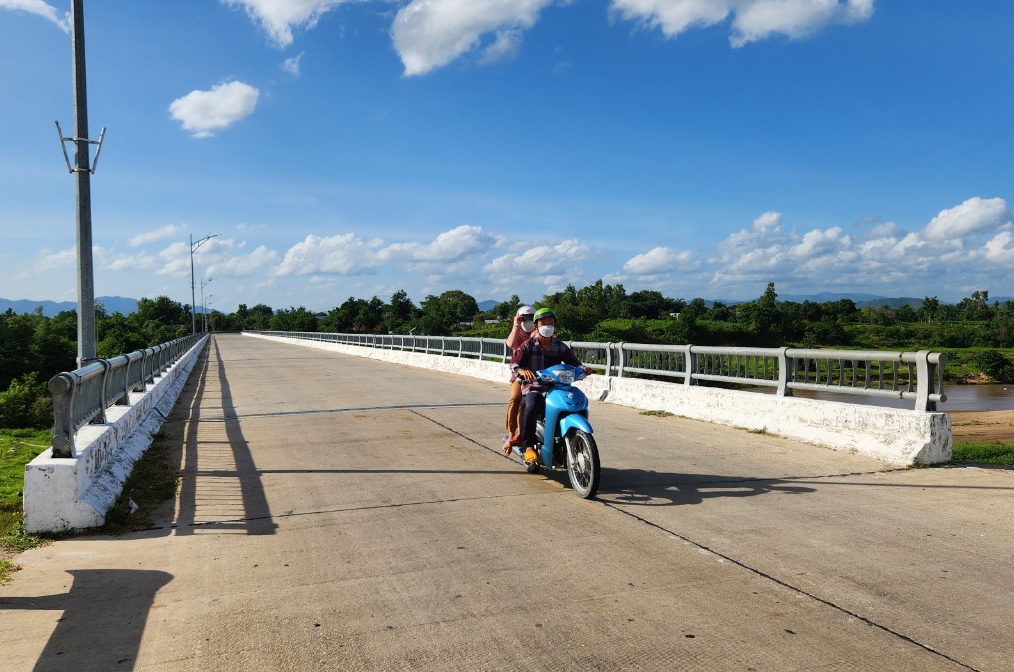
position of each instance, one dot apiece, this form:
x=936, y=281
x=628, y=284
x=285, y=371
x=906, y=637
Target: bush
x=995, y=365
x=26, y=403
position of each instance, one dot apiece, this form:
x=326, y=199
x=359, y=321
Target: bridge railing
x=84, y=395
x=914, y=376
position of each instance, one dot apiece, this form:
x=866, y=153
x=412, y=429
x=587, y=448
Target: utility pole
x=204, y=305
x=85, y=270
x=193, y=291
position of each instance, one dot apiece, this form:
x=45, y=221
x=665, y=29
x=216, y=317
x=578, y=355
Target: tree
x=441, y=314
x=930, y=307
x=399, y=312
x=294, y=319
x=259, y=317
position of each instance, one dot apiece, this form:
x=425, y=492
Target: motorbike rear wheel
x=583, y=464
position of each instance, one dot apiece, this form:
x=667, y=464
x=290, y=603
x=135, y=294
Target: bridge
x=341, y=513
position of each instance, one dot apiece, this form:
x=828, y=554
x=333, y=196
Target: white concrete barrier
x=897, y=436
x=76, y=493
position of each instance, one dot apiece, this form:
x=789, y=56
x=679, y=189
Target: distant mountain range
x=125, y=306
x=112, y=304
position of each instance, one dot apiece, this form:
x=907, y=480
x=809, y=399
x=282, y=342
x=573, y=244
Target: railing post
x=785, y=366
x=622, y=360
x=925, y=382
x=61, y=386
x=101, y=417
x=691, y=363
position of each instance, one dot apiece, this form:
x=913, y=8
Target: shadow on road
x=235, y=491
x=100, y=620
x=640, y=487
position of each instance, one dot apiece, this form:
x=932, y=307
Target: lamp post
x=207, y=322
x=193, y=296
x=204, y=307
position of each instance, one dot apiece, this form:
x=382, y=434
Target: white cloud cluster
x=203, y=112
x=152, y=236
x=661, y=260
x=552, y=264
x=431, y=33
x=279, y=17
x=753, y=19
x=39, y=8
x=971, y=240
x=348, y=254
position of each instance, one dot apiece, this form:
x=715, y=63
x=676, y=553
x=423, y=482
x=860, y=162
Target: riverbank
x=983, y=425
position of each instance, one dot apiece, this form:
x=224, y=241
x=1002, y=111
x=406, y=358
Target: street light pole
x=204, y=308
x=193, y=295
x=85, y=271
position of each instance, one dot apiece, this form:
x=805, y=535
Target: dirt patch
x=983, y=425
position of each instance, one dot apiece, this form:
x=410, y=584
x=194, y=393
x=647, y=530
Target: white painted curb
x=898, y=436
x=76, y=493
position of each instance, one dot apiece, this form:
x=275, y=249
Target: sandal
x=508, y=445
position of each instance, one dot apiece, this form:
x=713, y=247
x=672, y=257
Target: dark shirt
x=533, y=357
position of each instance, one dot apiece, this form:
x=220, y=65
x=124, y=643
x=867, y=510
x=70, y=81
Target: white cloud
x=883, y=257
x=753, y=19
x=224, y=264
x=152, y=236
x=548, y=263
x=39, y=8
x=126, y=262
x=48, y=259
x=279, y=17
x=291, y=65
x=450, y=246
x=975, y=214
x=344, y=254
x=506, y=46
x=203, y=112
x=660, y=260
x=672, y=16
x=428, y=34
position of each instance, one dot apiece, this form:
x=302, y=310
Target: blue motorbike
x=564, y=433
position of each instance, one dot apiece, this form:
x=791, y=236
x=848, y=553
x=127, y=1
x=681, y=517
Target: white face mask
x=546, y=330
x=528, y=326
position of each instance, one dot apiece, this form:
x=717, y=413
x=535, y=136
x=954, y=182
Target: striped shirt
x=532, y=356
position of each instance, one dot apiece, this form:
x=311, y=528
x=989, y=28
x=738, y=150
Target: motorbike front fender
x=575, y=421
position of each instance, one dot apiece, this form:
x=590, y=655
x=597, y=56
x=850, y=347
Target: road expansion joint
x=619, y=508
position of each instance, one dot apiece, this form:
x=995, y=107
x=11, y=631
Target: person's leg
x=513, y=422
x=533, y=410
x=514, y=410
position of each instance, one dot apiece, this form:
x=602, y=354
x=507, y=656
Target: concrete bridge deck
x=339, y=514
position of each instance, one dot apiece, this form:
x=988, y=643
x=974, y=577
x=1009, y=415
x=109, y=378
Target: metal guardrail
x=914, y=376
x=83, y=395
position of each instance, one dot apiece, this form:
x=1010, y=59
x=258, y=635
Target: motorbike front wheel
x=583, y=464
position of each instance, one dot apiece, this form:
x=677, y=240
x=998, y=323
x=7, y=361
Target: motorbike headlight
x=565, y=377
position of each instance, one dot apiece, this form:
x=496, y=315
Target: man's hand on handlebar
x=588, y=370
x=526, y=374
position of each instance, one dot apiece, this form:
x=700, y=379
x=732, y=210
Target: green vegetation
x=993, y=452
x=151, y=484
x=17, y=448
x=660, y=414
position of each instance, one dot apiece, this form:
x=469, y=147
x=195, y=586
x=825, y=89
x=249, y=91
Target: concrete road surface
x=342, y=514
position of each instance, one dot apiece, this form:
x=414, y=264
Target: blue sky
x=354, y=148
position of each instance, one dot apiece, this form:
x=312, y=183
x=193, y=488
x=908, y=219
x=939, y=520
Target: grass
x=660, y=414
x=17, y=448
x=992, y=452
x=151, y=484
